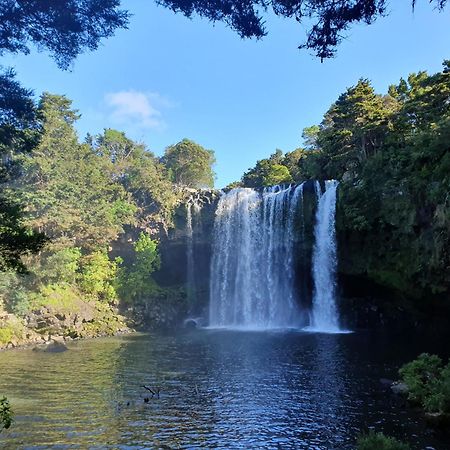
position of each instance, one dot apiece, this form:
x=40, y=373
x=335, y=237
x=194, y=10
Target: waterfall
x=252, y=269
x=190, y=282
x=324, y=261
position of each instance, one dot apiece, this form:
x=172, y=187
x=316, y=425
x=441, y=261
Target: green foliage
x=60, y=297
x=439, y=398
x=6, y=414
x=65, y=28
x=6, y=334
x=18, y=135
x=60, y=266
x=326, y=21
x=67, y=188
x=18, y=125
x=428, y=382
x=420, y=375
x=98, y=274
x=12, y=329
x=268, y=172
x=135, y=283
x=141, y=174
x=16, y=238
x=190, y=164
x=310, y=136
x=378, y=441
x=391, y=154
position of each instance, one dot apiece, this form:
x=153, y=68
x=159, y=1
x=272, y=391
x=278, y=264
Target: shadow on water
x=219, y=389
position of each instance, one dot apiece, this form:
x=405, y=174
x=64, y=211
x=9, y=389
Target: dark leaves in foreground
x=329, y=19
x=65, y=28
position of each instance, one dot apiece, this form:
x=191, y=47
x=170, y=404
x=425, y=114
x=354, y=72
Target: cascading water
x=324, y=261
x=252, y=270
x=195, y=207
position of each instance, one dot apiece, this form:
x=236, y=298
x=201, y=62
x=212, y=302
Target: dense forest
x=67, y=204
x=391, y=153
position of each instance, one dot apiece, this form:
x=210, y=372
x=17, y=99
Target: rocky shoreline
x=48, y=325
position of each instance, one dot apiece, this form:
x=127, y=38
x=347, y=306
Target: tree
x=190, y=164
x=354, y=128
x=309, y=136
x=268, y=172
x=135, y=283
x=65, y=27
x=330, y=19
x=141, y=174
x=67, y=188
x=18, y=135
x=16, y=238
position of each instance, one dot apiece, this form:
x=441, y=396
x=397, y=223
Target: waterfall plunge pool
x=219, y=389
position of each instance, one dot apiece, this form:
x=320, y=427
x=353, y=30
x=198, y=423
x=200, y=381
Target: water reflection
x=218, y=390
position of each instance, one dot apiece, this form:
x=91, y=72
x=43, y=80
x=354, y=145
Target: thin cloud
x=137, y=109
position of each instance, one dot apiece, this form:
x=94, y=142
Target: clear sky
x=167, y=77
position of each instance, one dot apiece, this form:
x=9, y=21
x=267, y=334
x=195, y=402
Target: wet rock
x=386, y=382
x=55, y=346
x=438, y=420
x=399, y=388
x=190, y=324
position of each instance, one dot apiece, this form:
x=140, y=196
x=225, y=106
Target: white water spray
x=191, y=206
x=252, y=270
x=324, y=261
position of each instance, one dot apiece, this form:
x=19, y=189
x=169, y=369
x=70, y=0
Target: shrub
x=378, y=441
x=428, y=383
x=6, y=414
x=6, y=334
x=439, y=398
x=62, y=297
x=135, y=284
x=421, y=376
x=97, y=277
x=60, y=266
x=19, y=302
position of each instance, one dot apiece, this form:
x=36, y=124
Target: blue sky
x=168, y=77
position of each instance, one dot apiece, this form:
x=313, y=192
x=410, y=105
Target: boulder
x=54, y=346
x=399, y=388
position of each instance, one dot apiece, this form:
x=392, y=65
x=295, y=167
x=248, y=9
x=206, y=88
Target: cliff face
x=383, y=270
x=174, y=248
x=394, y=253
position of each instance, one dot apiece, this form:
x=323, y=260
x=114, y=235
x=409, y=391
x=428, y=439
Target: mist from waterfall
x=324, y=315
x=252, y=271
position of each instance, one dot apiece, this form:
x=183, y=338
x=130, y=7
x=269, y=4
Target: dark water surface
x=219, y=389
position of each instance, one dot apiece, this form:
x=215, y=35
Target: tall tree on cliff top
x=268, y=172
x=190, y=164
x=141, y=174
x=354, y=127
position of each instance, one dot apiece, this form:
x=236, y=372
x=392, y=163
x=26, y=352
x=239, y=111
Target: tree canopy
x=18, y=135
x=64, y=27
x=268, y=172
x=330, y=19
x=190, y=164
x=67, y=28
x=66, y=187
